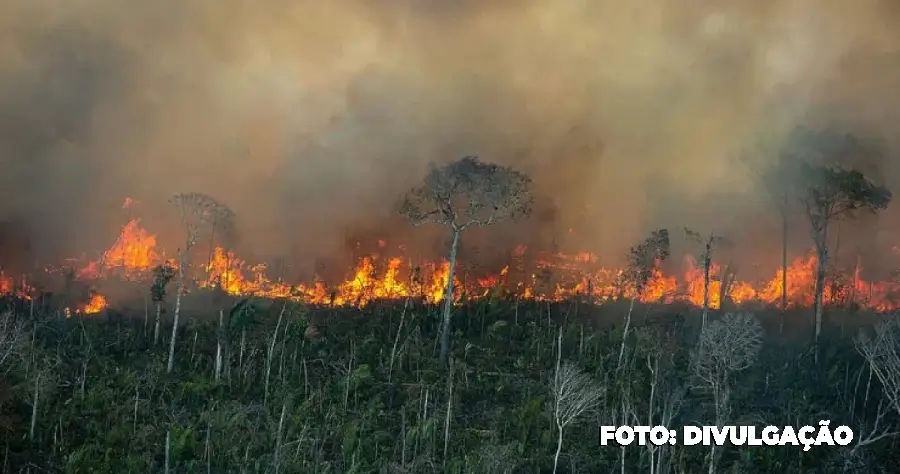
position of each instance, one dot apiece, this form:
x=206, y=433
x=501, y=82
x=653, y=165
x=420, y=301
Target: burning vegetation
x=531, y=274
x=470, y=193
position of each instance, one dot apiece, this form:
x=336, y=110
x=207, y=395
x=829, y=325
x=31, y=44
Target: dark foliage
x=105, y=402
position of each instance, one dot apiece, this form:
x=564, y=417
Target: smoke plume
x=309, y=118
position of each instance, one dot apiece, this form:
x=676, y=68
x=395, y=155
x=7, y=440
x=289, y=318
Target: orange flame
x=134, y=254
x=95, y=305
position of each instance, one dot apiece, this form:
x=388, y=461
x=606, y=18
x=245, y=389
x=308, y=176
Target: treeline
x=275, y=387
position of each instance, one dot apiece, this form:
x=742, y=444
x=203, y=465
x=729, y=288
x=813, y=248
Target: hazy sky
x=309, y=118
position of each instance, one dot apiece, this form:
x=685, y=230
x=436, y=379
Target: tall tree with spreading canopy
x=779, y=169
x=828, y=189
x=198, y=213
x=465, y=193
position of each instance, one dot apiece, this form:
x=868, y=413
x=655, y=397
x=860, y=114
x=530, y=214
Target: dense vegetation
x=341, y=390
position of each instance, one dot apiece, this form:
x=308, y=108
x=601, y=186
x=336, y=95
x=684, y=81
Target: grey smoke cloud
x=308, y=118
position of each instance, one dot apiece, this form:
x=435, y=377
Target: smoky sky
x=309, y=118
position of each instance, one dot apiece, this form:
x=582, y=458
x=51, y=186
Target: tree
x=726, y=346
x=708, y=244
x=574, y=394
x=657, y=343
x=819, y=170
x=779, y=172
x=221, y=225
x=643, y=259
x=727, y=277
x=777, y=177
x=882, y=351
x=827, y=193
x=781, y=195
x=462, y=194
x=162, y=275
x=198, y=212
x=13, y=338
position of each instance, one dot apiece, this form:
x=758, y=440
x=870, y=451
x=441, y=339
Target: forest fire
x=95, y=305
x=135, y=254
x=134, y=251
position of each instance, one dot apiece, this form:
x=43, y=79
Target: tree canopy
x=199, y=211
x=468, y=192
x=829, y=192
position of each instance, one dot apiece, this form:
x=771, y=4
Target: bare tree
x=198, y=212
x=463, y=194
x=13, y=340
x=727, y=346
x=882, y=351
x=643, y=260
x=655, y=344
x=708, y=243
x=776, y=178
x=574, y=394
x=878, y=430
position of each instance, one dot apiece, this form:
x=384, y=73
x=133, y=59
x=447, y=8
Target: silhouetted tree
x=708, y=244
x=162, y=275
x=462, y=194
x=819, y=170
x=778, y=170
x=778, y=179
x=828, y=193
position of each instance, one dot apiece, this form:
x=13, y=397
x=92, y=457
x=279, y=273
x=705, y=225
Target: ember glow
x=384, y=276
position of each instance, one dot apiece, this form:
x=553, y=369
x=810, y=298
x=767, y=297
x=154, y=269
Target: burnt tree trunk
x=822, y=254
x=448, y=304
x=820, y=237
x=707, y=262
x=212, y=252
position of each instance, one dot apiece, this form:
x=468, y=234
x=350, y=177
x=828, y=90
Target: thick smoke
x=309, y=118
